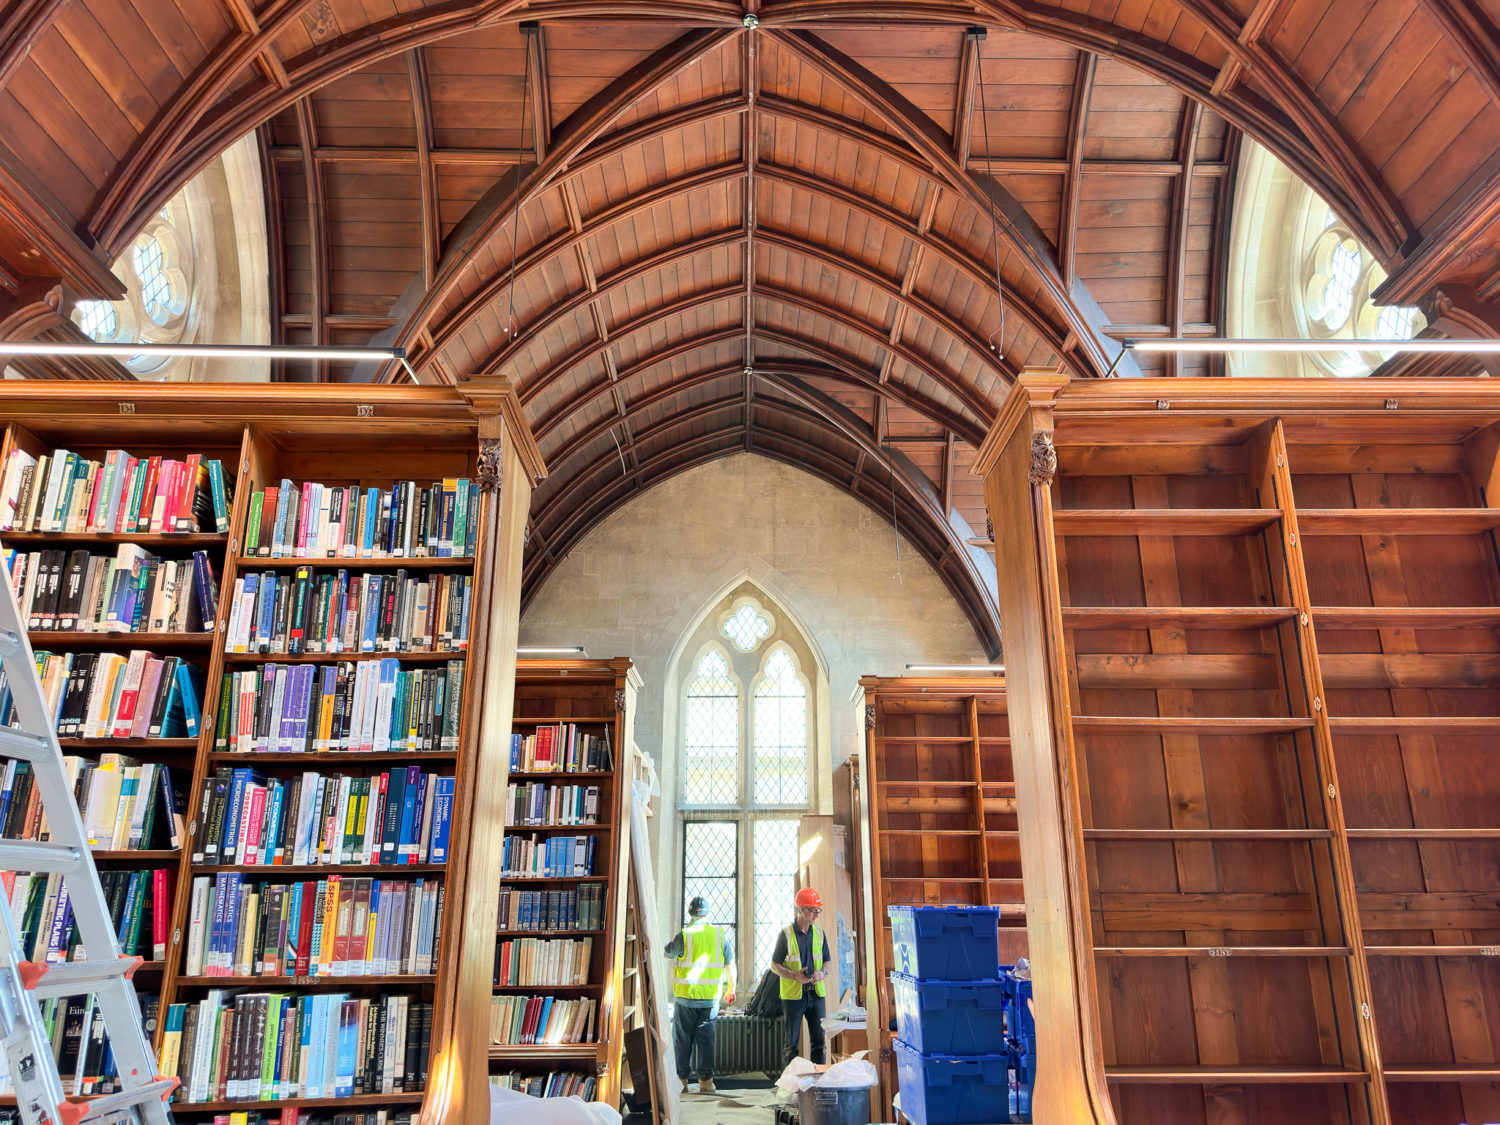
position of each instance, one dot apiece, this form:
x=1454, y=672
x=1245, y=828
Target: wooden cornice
x=24, y=206
x=1446, y=246
x=1035, y=389
x=496, y=395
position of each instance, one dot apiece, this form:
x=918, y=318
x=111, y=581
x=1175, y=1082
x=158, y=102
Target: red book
x=253, y=827
x=194, y=473
x=359, y=924
x=312, y=902
x=148, y=495
x=344, y=916
x=161, y=911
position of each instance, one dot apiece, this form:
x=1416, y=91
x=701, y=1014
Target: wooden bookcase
x=1252, y=658
x=371, y=436
x=942, y=802
x=594, y=697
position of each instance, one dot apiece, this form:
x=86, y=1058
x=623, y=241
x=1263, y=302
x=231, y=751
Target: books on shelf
x=341, y=926
x=530, y=962
x=139, y=903
x=577, y=908
x=551, y=1020
x=80, y=1046
x=271, y=1046
x=297, y=1115
x=553, y=1084
x=556, y=857
x=400, y=816
x=562, y=748
x=67, y=493
x=124, y=804
x=128, y=590
x=408, y=520
x=368, y=705
x=538, y=803
x=310, y=611
x=110, y=695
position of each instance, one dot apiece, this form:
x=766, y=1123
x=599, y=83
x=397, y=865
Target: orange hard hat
x=809, y=897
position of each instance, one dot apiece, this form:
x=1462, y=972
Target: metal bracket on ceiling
x=976, y=33
x=751, y=20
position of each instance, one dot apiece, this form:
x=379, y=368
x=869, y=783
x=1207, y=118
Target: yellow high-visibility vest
x=699, y=972
x=790, y=989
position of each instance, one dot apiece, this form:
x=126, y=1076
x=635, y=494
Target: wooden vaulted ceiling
x=822, y=238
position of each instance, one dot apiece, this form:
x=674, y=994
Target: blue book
x=229, y=839
x=190, y=687
x=318, y=1019
x=276, y=799
x=515, y=753
x=372, y=517
x=211, y=966
x=293, y=935
x=343, y=1081
x=306, y=1008
x=390, y=831
x=229, y=936
x=127, y=916
x=373, y=595
x=442, y=816
x=287, y=500
x=265, y=615
x=410, y=817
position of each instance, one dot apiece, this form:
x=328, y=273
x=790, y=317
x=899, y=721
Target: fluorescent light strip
x=574, y=650
x=977, y=668
x=205, y=351
x=1190, y=344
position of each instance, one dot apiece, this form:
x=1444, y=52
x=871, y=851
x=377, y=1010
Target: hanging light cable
x=978, y=35
x=515, y=214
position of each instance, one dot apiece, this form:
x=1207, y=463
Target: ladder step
x=21, y=855
x=10, y=643
x=153, y=1091
x=16, y=743
x=72, y=978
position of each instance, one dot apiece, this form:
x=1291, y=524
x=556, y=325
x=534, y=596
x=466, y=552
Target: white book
x=334, y=849
x=274, y=740
x=145, y=793
x=200, y=907
x=372, y=824
x=424, y=832
x=10, y=492
x=55, y=484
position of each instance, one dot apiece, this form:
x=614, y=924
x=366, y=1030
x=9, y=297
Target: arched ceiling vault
x=824, y=239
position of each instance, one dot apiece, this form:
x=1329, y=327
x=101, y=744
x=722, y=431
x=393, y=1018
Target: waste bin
x=834, y=1105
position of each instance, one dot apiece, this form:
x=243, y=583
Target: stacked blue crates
x=950, y=999
x=1020, y=1040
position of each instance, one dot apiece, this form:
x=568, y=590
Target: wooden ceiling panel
x=458, y=189
x=707, y=271
x=1200, y=266
x=714, y=76
x=920, y=64
x=538, y=223
x=1131, y=116
x=785, y=75
x=1213, y=138
x=476, y=84
x=1041, y=196
x=371, y=108
x=584, y=58
x=67, y=186
x=1027, y=96
x=972, y=233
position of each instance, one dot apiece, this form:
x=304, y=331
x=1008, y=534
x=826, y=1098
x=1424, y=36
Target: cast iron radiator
x=746, y=1044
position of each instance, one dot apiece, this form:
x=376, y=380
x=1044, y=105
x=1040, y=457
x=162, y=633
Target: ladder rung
x=20, y=855
x=73, y=978
x=18, y=744
x=153, y=1091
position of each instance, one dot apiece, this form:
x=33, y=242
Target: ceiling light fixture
x=1214, y=344
x=204, y=351
x=975, y=669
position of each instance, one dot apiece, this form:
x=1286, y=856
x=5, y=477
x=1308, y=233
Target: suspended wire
x=989, y=192
x=515, y=214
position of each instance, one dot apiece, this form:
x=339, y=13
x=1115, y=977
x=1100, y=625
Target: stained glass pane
x=775, y=855
x=780, y=760
x=711, y=757
x=710, y=867
x=747, y=627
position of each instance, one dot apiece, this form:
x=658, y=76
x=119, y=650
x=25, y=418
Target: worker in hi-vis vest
x=798, y=959
x=702, y=977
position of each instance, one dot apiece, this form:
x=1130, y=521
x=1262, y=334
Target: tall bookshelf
x=1254, y=732
x=371, y=437
x=941, y=795
x=558, y=702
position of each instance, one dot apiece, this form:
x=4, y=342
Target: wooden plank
x=1152, y=724
x=1169, y=912
x=1222, y=951
x=1178, y=617
x=1397, y=521
x=1164, y=521
x=1234, y=1075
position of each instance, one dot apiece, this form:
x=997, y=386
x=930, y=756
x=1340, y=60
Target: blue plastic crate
x=1023, y=1078
x=946, y=942
x=948, y=1090
x=949, y=1017
x=1020, y=1024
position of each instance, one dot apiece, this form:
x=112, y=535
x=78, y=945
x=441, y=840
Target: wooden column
x=1018, y=462
x=509, y=465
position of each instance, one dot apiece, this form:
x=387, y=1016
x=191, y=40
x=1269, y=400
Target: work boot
x=684, y=1085
x=705, y=1085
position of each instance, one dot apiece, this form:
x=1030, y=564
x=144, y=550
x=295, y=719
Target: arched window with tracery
x=746, y=773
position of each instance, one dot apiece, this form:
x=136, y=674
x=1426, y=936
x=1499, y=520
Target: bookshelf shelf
x=48, y=638
x=561, y=775
x=552, y=878
x=545, y=1051
x=193, y=540
x=388, y=870
x=156, y=745
x=593, y=986
x=144, y=855
x=546, y=933
x=414, y=980
x=374, y=1101
x=237, y=658
x=331, y=757
x=421, y=562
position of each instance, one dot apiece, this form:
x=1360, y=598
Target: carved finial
x=989, y=529
x=620, y=700
x=487, y=474
x=526, y=537
x=869, y=716
x=1043, y=459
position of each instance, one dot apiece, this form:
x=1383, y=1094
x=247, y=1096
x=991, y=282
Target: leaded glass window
x=711, y=868
x=712, y=757
x=747, y=626
x=775, y=860
x=780, y=725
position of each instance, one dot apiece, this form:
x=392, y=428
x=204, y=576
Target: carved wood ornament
x=487, y=474
x=1043, y=459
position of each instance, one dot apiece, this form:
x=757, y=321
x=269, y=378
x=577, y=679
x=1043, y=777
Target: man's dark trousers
x=694, y=1026
x=811, y=1006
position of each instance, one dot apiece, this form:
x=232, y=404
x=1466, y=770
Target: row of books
x=66, y=492
x=561, y=748
x=553, y=1084
x=550, y=857
x=537, y=803
x=130, y=591
x=400, y=816
x=272, y=1046
x=139, y=904
x=578, y=908
x=326, y=612
x=114, y=695
x=367, y=705
x=532, y=962
x=345, y=521
x=294, y=1115
x=550, y=1020
x=80, y=1047
x=123, y=803
x=334, y=927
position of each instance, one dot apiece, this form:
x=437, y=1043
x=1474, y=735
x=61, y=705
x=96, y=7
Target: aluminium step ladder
x=103, y=971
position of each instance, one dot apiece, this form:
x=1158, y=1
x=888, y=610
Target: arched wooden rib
x=1067, y=220
x=24, y=22
x=750, y=147
x=421, y=114
x=1177, y=234
x=1018, y=230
